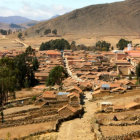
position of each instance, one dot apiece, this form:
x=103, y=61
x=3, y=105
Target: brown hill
x=4, y=26
x=120, y=18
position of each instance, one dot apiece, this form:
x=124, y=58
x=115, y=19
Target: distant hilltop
x=16, y=22
x=119, y=18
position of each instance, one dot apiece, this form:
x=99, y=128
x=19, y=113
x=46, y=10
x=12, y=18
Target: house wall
x=65, y=112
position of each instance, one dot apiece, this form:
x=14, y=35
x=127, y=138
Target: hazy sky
x=43, y=9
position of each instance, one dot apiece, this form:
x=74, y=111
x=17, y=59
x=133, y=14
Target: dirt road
x=20, y=42
x=79, y=129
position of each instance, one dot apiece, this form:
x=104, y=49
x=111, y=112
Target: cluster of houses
x=47, y=60
x=102, y=72
x=68, y=102
x=111, y=107
x=10, y=53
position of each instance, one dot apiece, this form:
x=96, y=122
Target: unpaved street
x=79, y=129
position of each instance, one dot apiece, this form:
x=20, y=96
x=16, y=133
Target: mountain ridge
x=119, y=18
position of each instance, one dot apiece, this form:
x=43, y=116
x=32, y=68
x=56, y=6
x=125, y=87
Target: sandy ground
x=17, y=109
x=89, y=41
x=27, y=93
x=107, y=130
x=25, y=130
x=79, y=129
x=123, y=99
x=12, y=42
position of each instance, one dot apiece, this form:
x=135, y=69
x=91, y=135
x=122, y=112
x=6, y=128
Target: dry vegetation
x=96, y=20
x=127, y=125
x=22, y=131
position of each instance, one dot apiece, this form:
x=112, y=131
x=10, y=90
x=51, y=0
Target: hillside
x=14, y=20
x=120, y=18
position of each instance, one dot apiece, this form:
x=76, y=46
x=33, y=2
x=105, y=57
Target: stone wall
x=31, y=116
x=95, y=127
x=128, y=136
x=26, y=121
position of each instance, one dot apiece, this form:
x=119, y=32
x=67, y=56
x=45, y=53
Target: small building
x=49, y=95
x=118, y=108
x=63, y=93
x=132, y=106
x=75, y=89
x=67, y=111
x=105, y=106
x=74, y=99
x=105, y=87
x=53, y=53
x=130, y=85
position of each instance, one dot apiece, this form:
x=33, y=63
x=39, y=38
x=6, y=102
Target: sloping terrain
x=14, y=19
x=16, y=22
x=120, y=18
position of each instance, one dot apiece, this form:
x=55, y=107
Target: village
x=105, y=80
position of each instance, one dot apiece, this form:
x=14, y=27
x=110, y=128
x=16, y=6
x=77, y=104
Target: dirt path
x=18, y=41
x=70, y=73
x=79, y=129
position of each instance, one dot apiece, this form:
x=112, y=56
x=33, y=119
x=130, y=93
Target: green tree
x=47, y=31
x=56, y=76
x=26, y=64
x=73, y=46
x=103, y=46
x=122, y=44
x=20, y=35
x=54, y=32
x=30, y=51
x=59, y=44
x=3, y=32
x=37, y=31
x=35, y=64
x=7, y=81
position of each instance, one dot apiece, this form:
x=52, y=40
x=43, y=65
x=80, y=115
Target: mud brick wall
x=129, y=136
x=26, y=121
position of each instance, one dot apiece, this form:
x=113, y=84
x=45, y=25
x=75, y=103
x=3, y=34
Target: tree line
x=62, y=44
x=59, y=44
x=48, y=31
x=5, y=32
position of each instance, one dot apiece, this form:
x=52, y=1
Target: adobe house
x=46, y=98
x=121, y=56
x=74, y=100
x=105, y=87
x=122, y=63
x=67, y=111
x=129, y=85
x=41, y=76
x=118, y=108
x=123, y=70
x=53, y=53
x=75, y=89
x=105, y=106
x=86, y=85
x=104, y=76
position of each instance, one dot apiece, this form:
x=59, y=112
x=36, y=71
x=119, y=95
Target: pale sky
x=43, y=9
